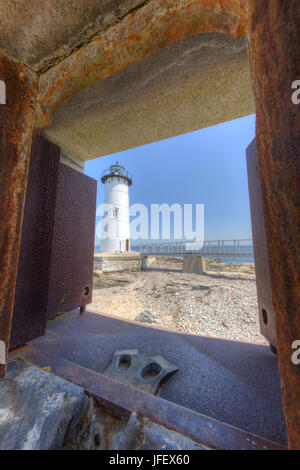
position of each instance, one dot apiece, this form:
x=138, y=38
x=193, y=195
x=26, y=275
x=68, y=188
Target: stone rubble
x=220, y=303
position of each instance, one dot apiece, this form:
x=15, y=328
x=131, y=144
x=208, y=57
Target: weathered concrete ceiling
x=43, y=32
x=115, y=74
x=196, y=82
x=142, y=32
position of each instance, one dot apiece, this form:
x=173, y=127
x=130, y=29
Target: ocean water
x=237, y=259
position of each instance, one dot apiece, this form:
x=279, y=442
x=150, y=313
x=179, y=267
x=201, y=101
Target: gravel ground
x=221, y=303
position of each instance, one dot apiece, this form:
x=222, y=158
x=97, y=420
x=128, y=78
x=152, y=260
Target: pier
x=232, y=248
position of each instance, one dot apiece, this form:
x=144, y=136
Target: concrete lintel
x=72, y=162
x=139, y=34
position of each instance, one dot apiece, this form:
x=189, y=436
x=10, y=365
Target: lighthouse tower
x=115, y=231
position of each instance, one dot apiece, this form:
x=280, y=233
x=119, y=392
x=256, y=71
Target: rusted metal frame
x=72, y=254
x=275, y=65
x=34, y=266
x=16, y=122
x=121, y=399
x=59, y=200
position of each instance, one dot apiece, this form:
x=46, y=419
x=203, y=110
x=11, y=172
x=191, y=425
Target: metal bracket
x=137, y=370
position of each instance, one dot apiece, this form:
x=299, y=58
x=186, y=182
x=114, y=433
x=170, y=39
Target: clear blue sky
x=205, y=167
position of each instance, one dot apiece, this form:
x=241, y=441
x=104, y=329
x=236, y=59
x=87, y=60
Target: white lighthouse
x=115, y=226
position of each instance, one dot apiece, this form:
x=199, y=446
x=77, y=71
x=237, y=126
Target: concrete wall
x=118, y=263
x=194, y=264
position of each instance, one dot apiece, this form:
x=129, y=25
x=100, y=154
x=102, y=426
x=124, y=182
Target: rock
x=199, y=287
x=172, y=289
x=142, y=434
x=39, y=411
x=146, y=317
x=178, y=286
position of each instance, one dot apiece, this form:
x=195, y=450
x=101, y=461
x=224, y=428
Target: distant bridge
x=214, y=248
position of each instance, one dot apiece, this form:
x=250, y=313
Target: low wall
x=118, y=262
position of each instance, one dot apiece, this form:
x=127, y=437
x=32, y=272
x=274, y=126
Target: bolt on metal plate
x=137, y=370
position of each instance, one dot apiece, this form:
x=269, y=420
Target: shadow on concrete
x=234, y=382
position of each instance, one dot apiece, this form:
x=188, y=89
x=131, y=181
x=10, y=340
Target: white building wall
x=117, y=198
